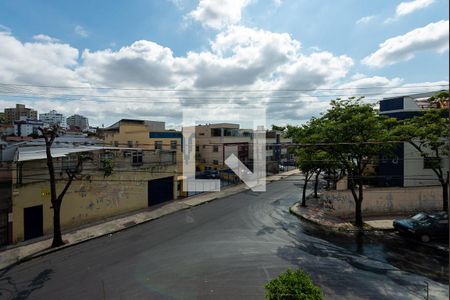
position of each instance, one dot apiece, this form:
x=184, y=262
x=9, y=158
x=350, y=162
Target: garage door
x=160, y=190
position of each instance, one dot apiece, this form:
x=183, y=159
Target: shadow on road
x=22, y=290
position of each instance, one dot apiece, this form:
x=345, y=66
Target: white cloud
x=365, y=20
x=433, y=37
x=4, y=28
x=405, y=8
x=37, y=63
x=44, y=38
x=80, y=31
x=218, y=14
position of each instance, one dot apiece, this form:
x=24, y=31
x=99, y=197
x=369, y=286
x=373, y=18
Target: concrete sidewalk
x=315, y=214
x=26, y=251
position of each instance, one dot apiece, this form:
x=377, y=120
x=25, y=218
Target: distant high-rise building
x=53, y=118
x=78, y=121
x=20, y=112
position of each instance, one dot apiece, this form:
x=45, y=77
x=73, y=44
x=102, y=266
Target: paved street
x=228, y=249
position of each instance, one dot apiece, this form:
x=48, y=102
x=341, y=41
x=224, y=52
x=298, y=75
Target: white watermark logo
x=223, y=143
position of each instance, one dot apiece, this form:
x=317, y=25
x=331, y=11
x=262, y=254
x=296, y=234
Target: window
x=105, y=157
x=158, y=145
x=130, y=144
x=115, y=143
x=69, y=162
x=197, y=148
x=215, y=162
x=137, y=158
x=216, y=132
x=173, y=145
x=431, y=162
x=215, y=148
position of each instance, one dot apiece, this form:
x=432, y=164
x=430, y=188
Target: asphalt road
x=228, y=249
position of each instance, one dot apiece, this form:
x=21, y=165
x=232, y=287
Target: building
x=278, y=156
x=140, y=178
x=6, y=130
x=150, y=135
x=408, y=168
x=53, y=118
x=20, y=112
x=216, y=142
x=78, y=121
x=2, y=117
x=28, y=127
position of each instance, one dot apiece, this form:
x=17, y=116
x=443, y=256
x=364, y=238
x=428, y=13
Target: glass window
x=137, y=158
x=173, y=145
x=215, y=162
x=216, y=132
x=215, y=148
x=158, y=145
x=431, y=162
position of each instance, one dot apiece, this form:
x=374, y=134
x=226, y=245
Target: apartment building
x=19, y=112
x=78, y=121
x=216, y=142
x=407, y=167
x=140, y=178
x=53, y=118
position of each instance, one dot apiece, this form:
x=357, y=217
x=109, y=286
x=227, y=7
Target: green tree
x=354, y=133
x=428, y=134
x=292, y=285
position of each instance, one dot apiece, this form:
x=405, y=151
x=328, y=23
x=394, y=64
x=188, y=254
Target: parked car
x=424, y=226
x=209, y=174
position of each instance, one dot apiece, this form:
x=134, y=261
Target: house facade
x=140, y=178
x=407, y=168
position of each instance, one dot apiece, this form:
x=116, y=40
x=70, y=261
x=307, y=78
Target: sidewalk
x=315, y=214
x=19, y=253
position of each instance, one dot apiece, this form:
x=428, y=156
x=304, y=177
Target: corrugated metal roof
x=36, y=152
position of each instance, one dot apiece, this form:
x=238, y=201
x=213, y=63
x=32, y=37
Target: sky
x=149, y=59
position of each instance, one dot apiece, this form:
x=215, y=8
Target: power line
x=219, y=90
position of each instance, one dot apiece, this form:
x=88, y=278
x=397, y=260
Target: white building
x=78, y=121
x=53, y=118
x=27, y=127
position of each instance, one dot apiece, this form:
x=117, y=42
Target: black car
x=425, y=226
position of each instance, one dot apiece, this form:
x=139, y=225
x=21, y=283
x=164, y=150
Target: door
x=160, y=190
x=33, y=222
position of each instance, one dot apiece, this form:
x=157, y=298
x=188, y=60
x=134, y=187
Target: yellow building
x=140, y=178
x=150, y=135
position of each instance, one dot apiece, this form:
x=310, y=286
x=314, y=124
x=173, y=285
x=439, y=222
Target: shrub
x=292, y=285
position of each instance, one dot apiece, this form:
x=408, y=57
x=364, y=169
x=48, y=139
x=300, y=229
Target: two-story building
x=140, y=178
x=407, y=168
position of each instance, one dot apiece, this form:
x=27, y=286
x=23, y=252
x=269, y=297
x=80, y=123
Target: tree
x=292, y=285
x=312, y=158
x=50, y=135
x=354, y=133
x=428, y=134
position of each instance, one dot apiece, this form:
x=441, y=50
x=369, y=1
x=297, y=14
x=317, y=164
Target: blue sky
x=309, y=44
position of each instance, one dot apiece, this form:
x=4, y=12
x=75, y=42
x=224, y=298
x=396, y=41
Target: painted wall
x=383, y=200
x=89, y=199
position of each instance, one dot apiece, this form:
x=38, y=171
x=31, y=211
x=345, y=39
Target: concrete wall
x=384, y=200
x=414, y=172
x=89, y=199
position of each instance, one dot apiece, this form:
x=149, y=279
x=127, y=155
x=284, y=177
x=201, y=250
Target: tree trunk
x=316, y=184
x=57, y=236
x=358, y=205
x=304, y=190
x=444, y=196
